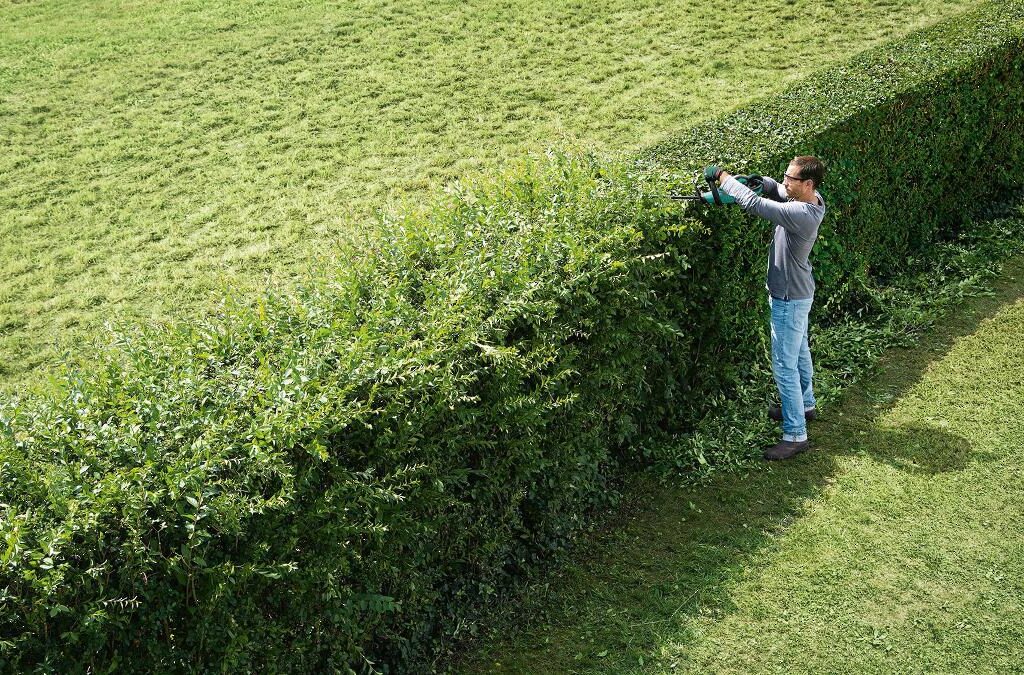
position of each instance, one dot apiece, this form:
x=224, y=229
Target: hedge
x=334, y=479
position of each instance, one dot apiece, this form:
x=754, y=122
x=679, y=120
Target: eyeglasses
x=786, y=175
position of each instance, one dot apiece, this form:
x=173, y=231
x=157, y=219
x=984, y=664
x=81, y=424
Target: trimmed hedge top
x=339, y=476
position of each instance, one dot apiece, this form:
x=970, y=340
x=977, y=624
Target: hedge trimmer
x=713, y=196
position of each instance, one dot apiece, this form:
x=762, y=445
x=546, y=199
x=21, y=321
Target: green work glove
x=712, y=172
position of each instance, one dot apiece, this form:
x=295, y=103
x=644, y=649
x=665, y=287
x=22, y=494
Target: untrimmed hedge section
x=338, y=476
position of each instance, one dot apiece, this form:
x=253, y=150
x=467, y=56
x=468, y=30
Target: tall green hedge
x=335, y=477
x=914, y=135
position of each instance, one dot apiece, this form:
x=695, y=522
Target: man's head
x=803, y=176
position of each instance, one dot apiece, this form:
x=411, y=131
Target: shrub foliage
x=332, y=479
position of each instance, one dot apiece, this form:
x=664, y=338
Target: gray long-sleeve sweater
x=790, y=274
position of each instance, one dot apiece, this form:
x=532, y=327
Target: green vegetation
x=157, y=153
x=894, y=546
x=344, y=474
x=347, y=472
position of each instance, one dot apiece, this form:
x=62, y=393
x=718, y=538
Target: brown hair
x=810, y=167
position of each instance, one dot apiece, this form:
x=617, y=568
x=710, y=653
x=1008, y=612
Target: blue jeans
x=791, y=364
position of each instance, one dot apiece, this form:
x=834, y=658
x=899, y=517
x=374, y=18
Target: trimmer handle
x=713, y=196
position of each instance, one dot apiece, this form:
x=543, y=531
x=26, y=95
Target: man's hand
x=712, y=172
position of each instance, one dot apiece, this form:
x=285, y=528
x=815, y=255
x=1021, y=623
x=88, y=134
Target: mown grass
x=157, y=153
x=894, y=546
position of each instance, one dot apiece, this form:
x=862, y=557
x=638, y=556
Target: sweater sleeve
x=792, y=216
x=773, y=190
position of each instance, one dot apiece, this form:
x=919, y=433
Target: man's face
x=796, y=188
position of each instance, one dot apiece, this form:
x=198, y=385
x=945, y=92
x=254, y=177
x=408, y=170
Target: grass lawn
x=155, y=153
x=894, y=546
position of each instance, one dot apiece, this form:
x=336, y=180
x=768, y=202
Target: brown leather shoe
x=786, y=449
x=775, y=413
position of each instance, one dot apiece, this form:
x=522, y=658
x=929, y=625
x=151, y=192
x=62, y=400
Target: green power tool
x=713, y=196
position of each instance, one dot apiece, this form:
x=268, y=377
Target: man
x=796, y=209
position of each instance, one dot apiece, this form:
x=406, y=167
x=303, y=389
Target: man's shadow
x=603, y=611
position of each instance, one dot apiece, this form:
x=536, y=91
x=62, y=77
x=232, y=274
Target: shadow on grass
x=669, y=555
x=915, y=449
